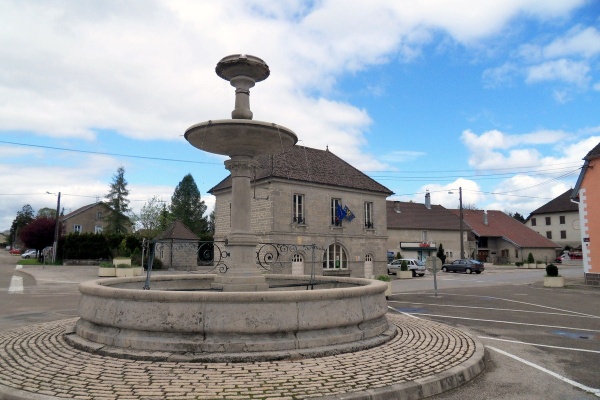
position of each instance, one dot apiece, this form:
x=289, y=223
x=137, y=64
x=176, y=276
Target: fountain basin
x=175, y=319
x=240, y=137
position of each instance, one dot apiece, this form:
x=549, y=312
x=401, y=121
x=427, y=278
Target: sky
x=499, y=97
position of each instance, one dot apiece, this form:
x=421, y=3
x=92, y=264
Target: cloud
x=575, y=72
x=500, y=76
x=578, y=42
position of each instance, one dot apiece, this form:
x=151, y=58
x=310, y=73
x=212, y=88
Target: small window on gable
x=77, y=228
x=533, y=222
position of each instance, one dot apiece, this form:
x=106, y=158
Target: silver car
x=416, y=266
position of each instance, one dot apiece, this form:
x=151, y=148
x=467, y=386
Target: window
x=335, y=257
x=562, y=219
x=298, y=209
x=516, y=253
x=549, y=234
x=563, y=234
x=548, y=221
x=98, y=229
x=77, y=228
x=368, y=215
x=369, y=257
x=533, y=222
x=335, y=220
x=297, y=258
x=99, y=215
x=424, y=236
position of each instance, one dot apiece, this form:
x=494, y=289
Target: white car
x=29, y=254
x=416, y=266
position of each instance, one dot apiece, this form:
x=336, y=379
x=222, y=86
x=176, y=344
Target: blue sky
x=499, y=97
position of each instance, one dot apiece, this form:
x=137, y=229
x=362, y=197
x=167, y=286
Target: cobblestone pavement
x=423, y=359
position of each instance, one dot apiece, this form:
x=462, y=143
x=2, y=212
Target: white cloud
x=575, y=72
x=577, y=42
x=448, y=195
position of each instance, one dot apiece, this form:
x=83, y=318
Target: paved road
x=540, y=343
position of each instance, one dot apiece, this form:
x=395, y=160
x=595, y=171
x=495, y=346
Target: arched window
x=297, y=258
x=335, y=257
x=369, y=257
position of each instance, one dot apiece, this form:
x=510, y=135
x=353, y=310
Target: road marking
x=514, y=301
x=539, y=345
x=510, y=322
x=16, y=284
x=495, y=309
x=588, y=389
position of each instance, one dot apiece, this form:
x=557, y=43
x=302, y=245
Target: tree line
x=186, y=205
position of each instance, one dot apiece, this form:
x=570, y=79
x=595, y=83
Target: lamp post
x=462, y=244
x=55, y=244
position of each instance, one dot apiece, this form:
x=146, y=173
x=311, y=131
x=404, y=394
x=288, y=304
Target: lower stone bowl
x=181, y=319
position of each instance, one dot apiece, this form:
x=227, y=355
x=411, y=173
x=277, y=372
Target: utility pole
x=55, y=246
x=462, y=244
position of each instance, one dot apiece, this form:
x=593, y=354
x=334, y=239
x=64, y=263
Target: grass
x=33, y=261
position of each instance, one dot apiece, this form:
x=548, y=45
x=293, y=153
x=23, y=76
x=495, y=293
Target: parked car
x=29, y=254
x=463, y=265
x=15, y=251
x=416, y=266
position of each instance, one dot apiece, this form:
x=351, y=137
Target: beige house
x=88, y=219
x=312, y=212
x=416, y=230
x=558, y=220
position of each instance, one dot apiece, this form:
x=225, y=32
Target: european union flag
x=339, y=212
x=349, y=214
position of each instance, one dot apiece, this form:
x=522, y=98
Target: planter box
x=404, y=274
x=107, y=272
x=119, y=260
x=125, y=272
x=554, y=281
x=138, y=271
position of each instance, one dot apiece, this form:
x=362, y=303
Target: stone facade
x=88, y=219
x=273, y=221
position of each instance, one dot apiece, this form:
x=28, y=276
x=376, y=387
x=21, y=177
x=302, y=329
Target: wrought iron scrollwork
x=279, y=255
x=210, y=253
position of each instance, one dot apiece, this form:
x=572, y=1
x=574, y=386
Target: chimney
x=485, y=218
x=428, y=200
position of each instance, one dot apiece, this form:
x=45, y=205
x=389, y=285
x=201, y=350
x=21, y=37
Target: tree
x=187, y=207
x=211, y=222
x=46, y=213
x=117, y=220
x=150, y=218
x=23, y=217
x=39, y=233
x=470, y=206
x=517, y=216
x=441, y=254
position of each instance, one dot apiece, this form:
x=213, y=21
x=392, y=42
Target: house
x=315, y=212
x=416, y=230
x=587, y=194
x=558, y=220
x=501, y=238
x=177, y=247
x=91, y=218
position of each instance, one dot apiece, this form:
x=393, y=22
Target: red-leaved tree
x=38, y=234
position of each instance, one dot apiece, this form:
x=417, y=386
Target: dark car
x=468, y=266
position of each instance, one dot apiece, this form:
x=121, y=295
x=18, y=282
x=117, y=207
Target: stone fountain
x=233, y=316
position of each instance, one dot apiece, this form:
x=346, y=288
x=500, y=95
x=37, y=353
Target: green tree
x=46, y=213
x=150, y=216
x=117, y=220
x=23, y=217
x=441, y=254
x=517, y=216
x=187, y=207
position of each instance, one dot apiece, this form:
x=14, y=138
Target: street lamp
x=462, y=245
x=55, y=244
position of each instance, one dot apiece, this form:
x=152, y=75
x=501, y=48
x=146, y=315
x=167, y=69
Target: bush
x=519, y=264
x=106, y=264
x=551, y=270
x=404, y=266
x=530, y=259
x=383, y=278
x=398, y=256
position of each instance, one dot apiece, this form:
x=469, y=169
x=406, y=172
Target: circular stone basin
x=179, y=317
x=240, y=137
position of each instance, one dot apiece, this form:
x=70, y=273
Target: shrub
x=125, y=266
x=404, y=266
x=383, y=278
x=519, y=264
x=398, y=256
x=530, y=259
x=106, y=264
x=551, y=270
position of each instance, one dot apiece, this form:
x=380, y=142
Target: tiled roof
x=505, y=226
x=177, y=231
x=594, y=153
x=417, y=216
x=82, y=209
x=562, y=203
x=306, y=164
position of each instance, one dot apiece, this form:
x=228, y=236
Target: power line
x=107, y=154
